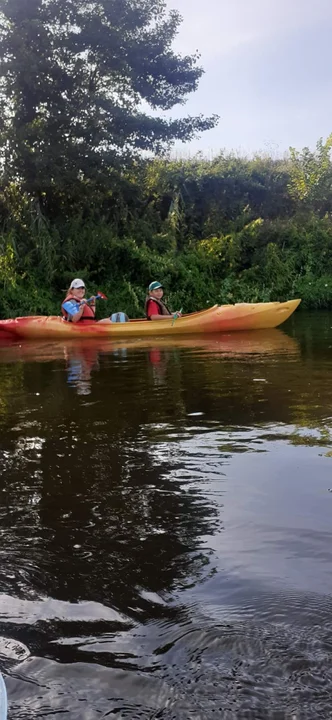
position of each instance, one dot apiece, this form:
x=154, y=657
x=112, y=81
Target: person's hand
x=177, y=314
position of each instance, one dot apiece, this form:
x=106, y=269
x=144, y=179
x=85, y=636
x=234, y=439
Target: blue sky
x=268, y=72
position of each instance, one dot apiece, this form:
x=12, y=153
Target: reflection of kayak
x=3, y=699
x=240, y=343
x=233, y=343
x=225, y=318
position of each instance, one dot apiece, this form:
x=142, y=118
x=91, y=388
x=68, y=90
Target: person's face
x=78, y=293
x=157, y=293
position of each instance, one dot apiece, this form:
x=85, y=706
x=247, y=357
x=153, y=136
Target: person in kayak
x=75, y=308
x=155, y=308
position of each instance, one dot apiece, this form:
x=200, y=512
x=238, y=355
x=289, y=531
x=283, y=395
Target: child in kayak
x=75, y=308
x=155, y=308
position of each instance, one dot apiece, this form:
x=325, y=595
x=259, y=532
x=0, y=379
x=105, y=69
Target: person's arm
x=174, y=315
x=159, y=317
x=155, y=315
x=153, y=311
x=75, y=318
x=177, y=314
x=71, y=308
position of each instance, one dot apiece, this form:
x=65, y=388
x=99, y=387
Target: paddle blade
x=101, y=296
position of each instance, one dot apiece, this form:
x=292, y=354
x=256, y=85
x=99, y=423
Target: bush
x=225, y=231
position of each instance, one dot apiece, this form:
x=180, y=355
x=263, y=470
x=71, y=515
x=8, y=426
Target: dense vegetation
x=78, y=197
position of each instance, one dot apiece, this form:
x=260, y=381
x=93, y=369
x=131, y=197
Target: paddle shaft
x=94, y=297
x=175, y=316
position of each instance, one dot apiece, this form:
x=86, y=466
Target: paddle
x=176, y=315
x=100, y=296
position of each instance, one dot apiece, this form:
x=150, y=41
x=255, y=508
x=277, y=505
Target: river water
x=166, y=527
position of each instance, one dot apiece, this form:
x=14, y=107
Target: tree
x=311, y=177
x=76, y=76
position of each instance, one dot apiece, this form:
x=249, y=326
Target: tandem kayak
x=219, y=318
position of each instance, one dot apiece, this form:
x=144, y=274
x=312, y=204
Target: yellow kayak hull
x=224, y=318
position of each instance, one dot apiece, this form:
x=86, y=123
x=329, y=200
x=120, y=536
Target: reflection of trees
x=115, y=519
x=89, y=509
x=11, y=381
x=90, y=514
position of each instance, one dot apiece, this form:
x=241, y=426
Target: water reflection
x=260, y=342
x=165, y=528
x=81, y=361
x=82, y=356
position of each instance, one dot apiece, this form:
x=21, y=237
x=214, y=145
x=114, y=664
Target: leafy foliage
x=311, y=177
x=80, y=196
x=75, y=75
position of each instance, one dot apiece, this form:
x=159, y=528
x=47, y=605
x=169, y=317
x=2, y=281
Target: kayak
x=216, y=319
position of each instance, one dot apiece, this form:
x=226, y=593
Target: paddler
x=155, y=308
x=75, y=308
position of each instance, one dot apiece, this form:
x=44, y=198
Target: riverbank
x=193, y=279
x=230, y=230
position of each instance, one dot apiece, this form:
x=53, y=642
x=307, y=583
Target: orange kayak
x=219, y=318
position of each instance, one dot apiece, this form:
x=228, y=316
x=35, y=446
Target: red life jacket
x=87, y=314
x=163, y=308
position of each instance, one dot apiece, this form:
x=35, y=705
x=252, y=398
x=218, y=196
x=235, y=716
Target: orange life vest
x=87, y=314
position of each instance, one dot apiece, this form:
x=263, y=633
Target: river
x=166, y=527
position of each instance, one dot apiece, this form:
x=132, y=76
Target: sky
x=268, y=72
